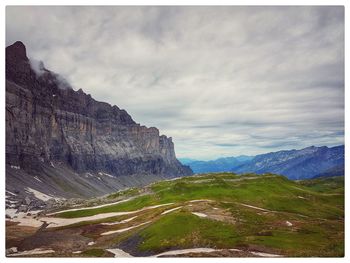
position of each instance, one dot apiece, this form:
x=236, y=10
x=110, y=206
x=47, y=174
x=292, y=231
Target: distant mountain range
x=218, y=165
x=306, y=163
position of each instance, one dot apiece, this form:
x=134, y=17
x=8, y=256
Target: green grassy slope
x=269, y=192
x=304, y=218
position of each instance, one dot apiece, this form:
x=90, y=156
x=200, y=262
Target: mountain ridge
x=295, y=164
x=223, y=164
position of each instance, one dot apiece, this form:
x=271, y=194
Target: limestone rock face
x=47, y=122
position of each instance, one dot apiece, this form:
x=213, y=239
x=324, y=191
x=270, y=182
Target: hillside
x=338, y=170
x=63, y=143
x=208, y=215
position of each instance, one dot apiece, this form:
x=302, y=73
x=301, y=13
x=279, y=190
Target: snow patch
x=261, y=254
x=15, y=167
x=91, y=207
x=37, y=178
x=35, y=251
x=186, y=251
x=120, y=222
x=11, y=202
x=289, y=223
x=106, y=174
x=56, y=222
x=173, y=179
x=39, y=195
x=87, y=175
x=155, y=206
x=13, y=249
x=200, y=200
x=199, y=214
x=254, y=207
x=11, y=212
x=23, y=219
x=118, y=253
x=123, y=229
x=208, y=250
x=91, y=243
x=171, y=210
x=10, y=193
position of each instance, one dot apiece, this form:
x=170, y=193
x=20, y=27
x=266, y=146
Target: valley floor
x=212, y=215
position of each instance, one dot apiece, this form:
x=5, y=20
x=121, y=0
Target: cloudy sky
x=222, y=81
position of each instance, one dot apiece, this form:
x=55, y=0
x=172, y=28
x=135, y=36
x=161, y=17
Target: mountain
x=63, y=143
x=337, y=170
x=244, y=158
x=226, y=164
x=186, y=161
x=297, y=164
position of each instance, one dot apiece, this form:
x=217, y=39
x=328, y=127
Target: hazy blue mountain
x=244, y=158
x=225, y=164
x=186, y=161
x=298, y=164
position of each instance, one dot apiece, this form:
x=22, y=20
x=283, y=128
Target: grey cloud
x=221, y=81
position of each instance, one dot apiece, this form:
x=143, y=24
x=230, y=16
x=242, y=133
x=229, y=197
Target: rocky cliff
x=50, y=125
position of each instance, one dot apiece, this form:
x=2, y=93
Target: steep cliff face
x=48, y=123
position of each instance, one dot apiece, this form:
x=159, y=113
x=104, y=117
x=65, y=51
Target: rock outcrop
x=49, y=124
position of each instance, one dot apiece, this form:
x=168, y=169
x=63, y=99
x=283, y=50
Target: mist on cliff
x=39, y=68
